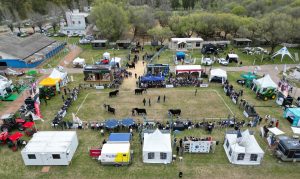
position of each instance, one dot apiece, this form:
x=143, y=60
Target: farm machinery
x=9, y=122
x=13, y=141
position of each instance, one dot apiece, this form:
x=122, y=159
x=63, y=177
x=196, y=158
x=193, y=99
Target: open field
x=205, y=104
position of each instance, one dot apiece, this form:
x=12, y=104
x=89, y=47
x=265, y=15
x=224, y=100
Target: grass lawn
x=206, y=104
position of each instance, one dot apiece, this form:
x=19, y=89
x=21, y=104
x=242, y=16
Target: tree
x=163, y=17
x=205, y=24
x=110, y=19
x=229, y=23
x=141, y=19
x=239, y=10
x=175, y=4
x=276, y=28
x=160, y=33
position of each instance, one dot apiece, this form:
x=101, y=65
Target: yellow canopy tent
x=49, y=81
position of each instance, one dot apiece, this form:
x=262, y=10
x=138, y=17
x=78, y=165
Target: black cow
x=140, y=91
x=139, y=111
x=113, y=93
x=109, y=109
x=174, y=112
x=132, y=65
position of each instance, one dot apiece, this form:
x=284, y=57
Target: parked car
x=223, y=61
x=206, y=61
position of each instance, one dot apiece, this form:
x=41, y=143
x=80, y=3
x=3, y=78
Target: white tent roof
x=79, y=60
x=231, y=55
x=247, y=144
x=157, y=142
x=276, y=131
x=116, y=60
x=296, y=130
x=265, y=82
x=218, y=72
x=188, y=67
x=50, y=141
x=283, y=51
x=57, y=74
x=113, y=148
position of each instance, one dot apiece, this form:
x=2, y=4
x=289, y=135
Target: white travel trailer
x=50, y=148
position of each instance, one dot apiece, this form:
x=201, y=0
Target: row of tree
x=274, y=28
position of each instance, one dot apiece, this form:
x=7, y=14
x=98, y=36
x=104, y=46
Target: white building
x=76, y=22
x=157, y=147
x=183, y=44
x=243, y=150
x=50, y=148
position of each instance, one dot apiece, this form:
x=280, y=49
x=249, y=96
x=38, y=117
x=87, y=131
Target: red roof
x=28, y=124
x=15, y=136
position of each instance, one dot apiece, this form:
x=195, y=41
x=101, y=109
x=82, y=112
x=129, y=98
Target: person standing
x=164, y=98
x=158, y=99
x=149, y=102
x=63, y=98
x=177, y=150
x=144, y=101
x=277, y=123
x=135, y=75
x=241, y=92
x=196, y=92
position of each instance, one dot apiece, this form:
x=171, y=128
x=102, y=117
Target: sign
x=203, y=85
x=169, y=86
x=99, y=87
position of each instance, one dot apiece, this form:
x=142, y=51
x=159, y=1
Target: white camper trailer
x=50, y=148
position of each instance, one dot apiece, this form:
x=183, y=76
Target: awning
x=119, y=137
x=49, y=81
x=275, y=131
x=111, y=124
x=127, y=122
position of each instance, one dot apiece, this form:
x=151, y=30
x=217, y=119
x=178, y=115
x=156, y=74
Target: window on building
x=79, y=22
x=73, y=22
x=31, y=156
x=227, y=143
x=163, y=155
x=151, y=155
x=124, y=155
x=253, y=157
x=230, y=152
x=55, y=156
x=241, y=156
x=198, y=44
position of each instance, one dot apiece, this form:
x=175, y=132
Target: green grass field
x=206, y=104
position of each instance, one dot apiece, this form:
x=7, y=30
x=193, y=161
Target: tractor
x=9, y=122
x=3, y=138
x=266, y=94
x=13, y=141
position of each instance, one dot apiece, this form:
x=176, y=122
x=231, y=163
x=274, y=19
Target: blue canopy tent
x=152, y=78
x=293, y=116
x=127, y=122
x=119, y=137
x=180, y=55
x=111, y=123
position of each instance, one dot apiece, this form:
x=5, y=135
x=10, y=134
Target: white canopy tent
x=188, y=69
x=79, y=62
x=283, y=51
x=265, y=82
x=275, y=131
x=115, y=60
x=63, y=76
x=218, y=73
x=243, y=150
x=106, y=55
x=157, y=147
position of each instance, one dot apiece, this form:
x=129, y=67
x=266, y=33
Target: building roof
x=50, y=141
x=188, y=67
x=99, y=41
x=119, y=137
x=123, y=41
x=192, y=39
x=23, y=47
x=113, y=148
x=242, y=40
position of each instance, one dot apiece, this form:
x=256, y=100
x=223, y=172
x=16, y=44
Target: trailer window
x=55, y=156
x=241, y=156
x=163, y=155
x=230, y=152
x=151, y=155
x=227, y=143
x=31, y=156
x=253, y=157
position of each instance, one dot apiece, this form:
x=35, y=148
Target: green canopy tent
x=31, y=72
x=248, y=77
